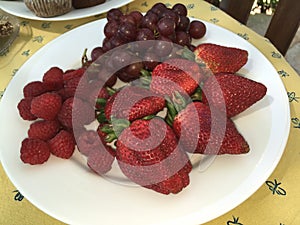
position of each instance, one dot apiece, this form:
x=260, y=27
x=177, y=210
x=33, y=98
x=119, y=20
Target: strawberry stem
x=197, y=95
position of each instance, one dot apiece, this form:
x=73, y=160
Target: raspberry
x=88, y=141
x=62, y=145
x=34, y=151
x=44, y=129
x=53, y=79
x=70, y=74
x=46, y=106
x=100, y=160
x=34, y=89
x=71, y=86
x=24, y=109
x=83, y=113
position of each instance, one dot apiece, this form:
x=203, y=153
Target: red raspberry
x=46, y=106
x=24, y=107
x=53, y=79
x=34, y=151
x=70, y=74
x=83, y=113
x=88, y=141
x=100, y=160
x=44, y=129
x=34, y=89
x=71, y=86
x=62, y=145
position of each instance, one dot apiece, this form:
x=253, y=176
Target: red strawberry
x=24, y=107
x=221, y=58
x=43, y=129
x=33, y=89
x=133, y=103
x=62, y=145
x=75, y=112
x=34, y=151
x=232, y=92
x=46, y=106
x=205, y=131
x=179, y=75
x=149, y=155
x=53, y=79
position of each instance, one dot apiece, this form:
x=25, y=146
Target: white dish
x=72, y=194
x=18, y=8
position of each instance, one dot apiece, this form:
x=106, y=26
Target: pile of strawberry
x=183, y=106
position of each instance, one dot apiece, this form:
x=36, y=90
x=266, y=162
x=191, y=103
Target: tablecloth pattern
x=277, y=202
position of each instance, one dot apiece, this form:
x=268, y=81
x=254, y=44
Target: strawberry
x=201, y=130
x=62, y=145
x=53, y=79
x=133, y=103
x=33, y=89
x=46, y=106
x=149, y=155
x=221, y=58
x=179, y=75
x=24, y=107
x=75, y=112
x=232, y=92
x=43, y=129
x=34, y=151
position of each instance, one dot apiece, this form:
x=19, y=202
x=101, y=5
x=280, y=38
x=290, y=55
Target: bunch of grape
x=165, y=29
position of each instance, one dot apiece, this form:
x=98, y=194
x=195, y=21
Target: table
x=278, y=199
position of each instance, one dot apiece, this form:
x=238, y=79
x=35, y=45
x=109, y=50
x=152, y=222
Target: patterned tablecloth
x=277, y=202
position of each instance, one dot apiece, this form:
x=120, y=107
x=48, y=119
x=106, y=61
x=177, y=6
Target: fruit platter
x=173, y=120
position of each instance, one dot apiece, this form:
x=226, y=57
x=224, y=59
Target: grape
x=183, y=24
x=158, y=8
x=168, y=13
x=197, y=29
x=163, y=46
x=114, y=14
x=96, y=53
x=137, y=17
x=117, y=40
x=106, y=44
x=180, y=9
x=127, y=31
x=111, y=28
x=120, y=58
x=144, y=34
x=149, y=21
x=127, y=19
x=130, y=72
x=166, y=26
x=182, y=38
x=151, y=60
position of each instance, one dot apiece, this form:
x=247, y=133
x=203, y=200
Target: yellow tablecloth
x=277, y=202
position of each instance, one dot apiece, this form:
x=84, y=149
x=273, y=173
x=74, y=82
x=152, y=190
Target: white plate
x=72, y=194
x=18, y=8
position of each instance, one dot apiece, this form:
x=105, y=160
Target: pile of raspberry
x=48, y=104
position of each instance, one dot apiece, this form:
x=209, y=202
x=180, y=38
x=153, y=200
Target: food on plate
x=221, y=59
x=78, y=4
x=237, y=92
x=162, y=167
x=168, y=100
x=49, y=8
